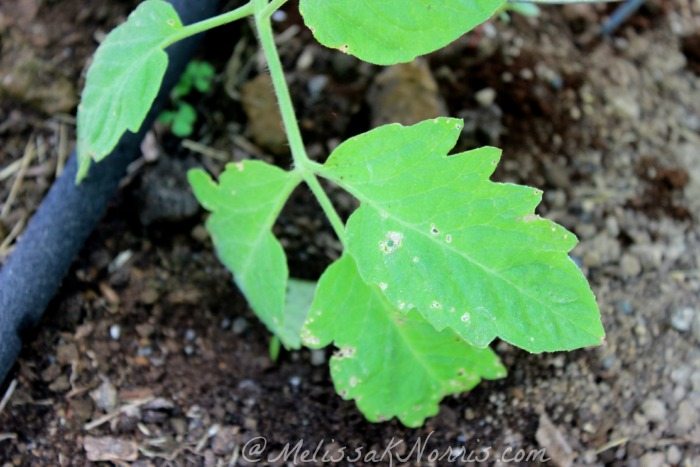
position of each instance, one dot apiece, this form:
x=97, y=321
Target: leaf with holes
x=393, y=31
x=124, y=79
x=466, y=252
x=392, y=364
x=244, y=206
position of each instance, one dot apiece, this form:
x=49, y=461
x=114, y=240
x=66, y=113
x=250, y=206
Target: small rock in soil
x=630, y=266
x=600, y=250
x=82, y=409
x=406, y=93
x=654, y=410
x=165, y=194
x=485, y=97
x=264, y=120
x=145, y=329
x=115, y=332
x=682, y=319
x=318, y=357
x=240, y=325
x=295, y=381
x=686, y=419
x=110, y=449
x=674, y=455
x=66, y=354
x=696, y=327
x=652, y=459
x=105, y=396
x=60, y=384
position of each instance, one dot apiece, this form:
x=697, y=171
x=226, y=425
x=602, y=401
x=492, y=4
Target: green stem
x=272, y=7
x=263, y=11
x=326, y=204
x=284, y=99
x=246, y=10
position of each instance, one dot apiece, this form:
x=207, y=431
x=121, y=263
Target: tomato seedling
x=438, y=260
x=198, y=75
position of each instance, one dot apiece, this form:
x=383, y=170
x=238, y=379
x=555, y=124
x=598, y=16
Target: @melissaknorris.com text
x=394, y=451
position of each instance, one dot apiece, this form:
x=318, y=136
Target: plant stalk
x=263, y=12
x=195, y=28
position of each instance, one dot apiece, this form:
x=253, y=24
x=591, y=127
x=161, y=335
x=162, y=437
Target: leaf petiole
x=195, y=28
x=326, y=204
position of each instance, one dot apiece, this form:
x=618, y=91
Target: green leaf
x=393, y=31
x=203, y=76
x=525, y=9
x=244, y=206
x=466, y=252
x=197, y=74
x=393, y=364
x=124, y=79
x=184, y=120
x=300, y=295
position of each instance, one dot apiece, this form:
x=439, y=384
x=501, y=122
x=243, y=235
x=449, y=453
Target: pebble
x=240, y=325
x=264, y=119
x=652, y=459
x=654, y=410
x=60, y=384
x=625, y=307
x=674, y=455
x=600, y=250
x=66, y=354
x=316, y=85
x=682, y=319
x=110, y=449
x=190, y=335
x=681, y=375
x=630, y=266
x=165, y=195
x=145, y=330
x=149, y=296
x=485, y=97
x=115, y=332
x=82, y=409
x=279, y=16
x=696, y=327
x=318, y=357
x=686, y=419
x=406, y=93
x=105, y=396
x=295, y=381
x=612, y=226
x=200, y=234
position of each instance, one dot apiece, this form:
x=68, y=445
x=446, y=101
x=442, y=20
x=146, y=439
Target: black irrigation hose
x=34, y=271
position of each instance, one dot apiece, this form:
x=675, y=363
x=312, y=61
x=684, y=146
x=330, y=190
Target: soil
x=150, y=356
